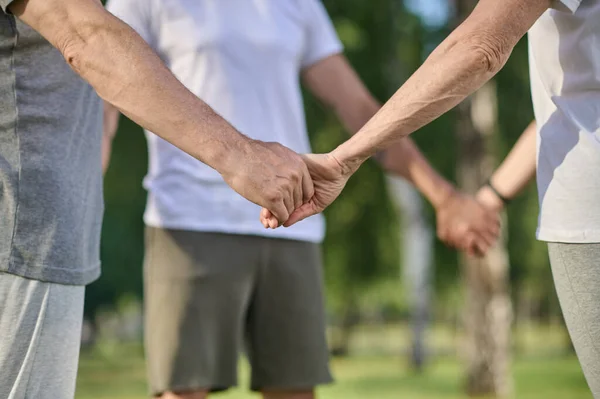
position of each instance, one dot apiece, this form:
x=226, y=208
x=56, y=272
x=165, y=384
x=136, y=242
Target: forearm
x=518, y=168
x=467, y=59
x=403, y=158
x=126, y=73
x=515, y=172
x=165, y=107
x=109, y=130
x=447, y=77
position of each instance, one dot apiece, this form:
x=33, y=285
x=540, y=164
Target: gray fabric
x=4, y=4
x=40, y=324
x=206, y=292
x=50, y=174
x=576, y=270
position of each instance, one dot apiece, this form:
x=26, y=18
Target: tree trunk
x=487, y=313
x=416, y=254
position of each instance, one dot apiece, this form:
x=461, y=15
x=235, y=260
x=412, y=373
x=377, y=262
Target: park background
x=371, y=321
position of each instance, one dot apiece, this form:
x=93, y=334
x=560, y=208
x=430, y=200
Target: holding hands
x=270, y=175
x=329, y=178
x=464, y=222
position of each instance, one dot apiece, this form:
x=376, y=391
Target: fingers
x=294, y=178
x=268, y=220
x=288, y=202
x=301, y=213
x=489, y=232
x=308, y=188
x=273, y=223
x=280, y=213
x=298, y=196
x=265, y=217
x=489, y=237
x=479, y=246
x=300, y=186
x=473, y=241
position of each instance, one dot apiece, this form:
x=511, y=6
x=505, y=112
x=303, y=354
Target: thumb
x=302, y=213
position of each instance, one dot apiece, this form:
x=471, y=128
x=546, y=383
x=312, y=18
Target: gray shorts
x=40, y=326
x=576, y=270
x=208, y=296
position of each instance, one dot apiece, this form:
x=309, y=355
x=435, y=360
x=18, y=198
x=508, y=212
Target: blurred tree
x=360, y=246
x=487, y=312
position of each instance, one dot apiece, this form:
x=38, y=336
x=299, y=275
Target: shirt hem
x=568, y=237
x=571, y=5
x=54, y=275
x=281, y=233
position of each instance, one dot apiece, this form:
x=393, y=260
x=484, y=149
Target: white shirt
x=244, y=59
x=565, y=82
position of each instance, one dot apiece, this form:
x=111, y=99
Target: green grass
x=117, y=372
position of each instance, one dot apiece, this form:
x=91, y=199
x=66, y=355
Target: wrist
x=226, y=156
x=441, y=192
x=348, y=163
x=489, y=198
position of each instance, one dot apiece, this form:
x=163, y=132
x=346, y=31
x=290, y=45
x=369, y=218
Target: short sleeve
x=566, y=5
x=4, y=5
x=135, y=13
x=321, y=39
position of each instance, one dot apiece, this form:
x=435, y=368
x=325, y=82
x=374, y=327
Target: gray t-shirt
x=50, y=175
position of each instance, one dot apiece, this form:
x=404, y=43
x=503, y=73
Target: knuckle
x=273, y=196
x=287, y=186
x=296, y=176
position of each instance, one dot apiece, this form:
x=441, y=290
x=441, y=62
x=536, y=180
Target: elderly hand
x=272, y=176
x=329, y=177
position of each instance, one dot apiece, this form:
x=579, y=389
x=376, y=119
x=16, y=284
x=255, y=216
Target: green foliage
x=122, y=230
x=361, y=242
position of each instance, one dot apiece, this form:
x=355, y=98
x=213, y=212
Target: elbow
x=490, y=54
x=73, y=51
x=90, y=51
x=77, y=45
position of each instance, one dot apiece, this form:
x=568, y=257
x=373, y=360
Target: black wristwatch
x=502, y=198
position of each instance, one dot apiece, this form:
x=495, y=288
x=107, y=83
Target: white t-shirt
x=565, y=81
x=243, y=58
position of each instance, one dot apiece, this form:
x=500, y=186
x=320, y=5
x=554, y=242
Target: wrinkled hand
x=272, y=176
x=466, y=224
x=329, y=178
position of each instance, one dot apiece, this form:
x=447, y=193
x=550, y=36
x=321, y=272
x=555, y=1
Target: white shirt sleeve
x=321, y=39
x=566, y=5
x=137, y=14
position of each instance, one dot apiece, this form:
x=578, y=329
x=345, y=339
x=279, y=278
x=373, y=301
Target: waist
x=212, y=206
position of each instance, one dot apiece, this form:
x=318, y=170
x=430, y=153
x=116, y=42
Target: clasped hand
x=292, y=187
